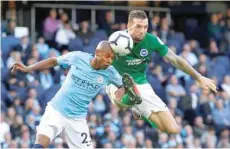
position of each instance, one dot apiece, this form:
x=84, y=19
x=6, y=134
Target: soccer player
x=152, y=108
x=67, y=110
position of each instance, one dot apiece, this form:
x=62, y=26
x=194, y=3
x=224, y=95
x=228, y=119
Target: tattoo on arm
x=181, y=64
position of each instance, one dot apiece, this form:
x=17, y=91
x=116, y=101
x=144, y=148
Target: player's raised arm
x=42, y=65
x=183, y=65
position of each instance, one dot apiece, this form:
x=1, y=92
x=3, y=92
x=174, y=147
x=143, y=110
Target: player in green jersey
x=152, y=108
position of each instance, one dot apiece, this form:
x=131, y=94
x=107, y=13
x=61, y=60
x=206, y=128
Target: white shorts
x=76, y=131
x=150, y=101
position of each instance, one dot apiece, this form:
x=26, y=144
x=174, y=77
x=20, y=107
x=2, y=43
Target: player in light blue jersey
x=67, y=110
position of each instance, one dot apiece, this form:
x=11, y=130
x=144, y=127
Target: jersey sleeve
x=156, y=44
x=68, y=59
x=115, y=78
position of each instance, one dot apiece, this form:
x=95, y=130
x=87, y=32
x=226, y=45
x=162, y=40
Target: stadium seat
x=101, y=34
x=8, y=43
x=175, y=43
x=94, y=41
x=223, y=60
x=49, y=94
x=191, y=25
x=218, y=70
x=75, y=44
x=89, y=49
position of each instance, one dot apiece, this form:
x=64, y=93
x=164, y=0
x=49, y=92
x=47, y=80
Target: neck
x=94, y=63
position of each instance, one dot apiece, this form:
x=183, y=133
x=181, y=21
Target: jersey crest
x=100, y=79
x=143, y=52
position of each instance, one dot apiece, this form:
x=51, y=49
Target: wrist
x=29, y=68
x=198, y=77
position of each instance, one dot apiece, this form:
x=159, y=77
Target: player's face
x=138, y=28
x=105, y=59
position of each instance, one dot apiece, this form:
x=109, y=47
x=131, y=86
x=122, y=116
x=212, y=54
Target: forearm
x=183, y=65
x=42, y=65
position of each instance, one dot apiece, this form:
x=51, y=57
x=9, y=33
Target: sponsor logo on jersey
x=134, y=61
x=144, y=52
x=100, y=79
x=84, y=83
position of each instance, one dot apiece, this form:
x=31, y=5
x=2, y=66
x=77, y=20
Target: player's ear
x=128, y=25
x=97, y=52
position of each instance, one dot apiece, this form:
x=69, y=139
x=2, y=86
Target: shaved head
x=104, y=46
x=104, y=55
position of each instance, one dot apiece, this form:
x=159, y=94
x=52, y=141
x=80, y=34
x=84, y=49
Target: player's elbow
x=53, y=61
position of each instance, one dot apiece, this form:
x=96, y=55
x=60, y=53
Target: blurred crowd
x=202, y=116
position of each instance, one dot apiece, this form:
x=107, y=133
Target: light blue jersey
x=82, y=84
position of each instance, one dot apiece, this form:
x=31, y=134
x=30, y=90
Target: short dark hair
x=139, y=14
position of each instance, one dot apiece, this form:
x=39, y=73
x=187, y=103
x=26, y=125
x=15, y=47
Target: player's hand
x=136, y=114
x=207, y=83
x=20, y=67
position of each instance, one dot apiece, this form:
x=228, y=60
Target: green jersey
x=136, y=62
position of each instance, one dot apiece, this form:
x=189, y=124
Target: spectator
x=35, y=53
x=197, y=143
x=29, y=104
x=25, y=139
x=154, y=25
x=140, y=139
x=15, y=56
x=164, y=33
x=226, y=84
x=63, y=19
x=13, y=144
x=11, y=24
x=214, y=28
x=8, y=141
x=123, y=26
x=203, y=60
x=46, y=79
x=84, y=32
x=207, y=107
x=188, y=55
x=226, y=99
x=209, y=138
x=188, y=140
x=24, y=48
x=99, y=104
x=17, y=105
x=163, y=138
x=203, y=70
x=5, y=128
x=172, y=142
x=51, y=25
x=195, y=48
x=227, y=29
x=204, y=96
x=190, y=101
x=173, y=107
x=11, y=114
x=213, y=50
x=43, y=48
x=64, y=35
x=224, y=139
x=221, y=115
x=15, y=127
x=174, y=89
x=199, y=127
x=148, y=143
x=109, y=24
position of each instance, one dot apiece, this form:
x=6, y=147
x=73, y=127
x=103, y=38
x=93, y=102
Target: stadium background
x=197, y=31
